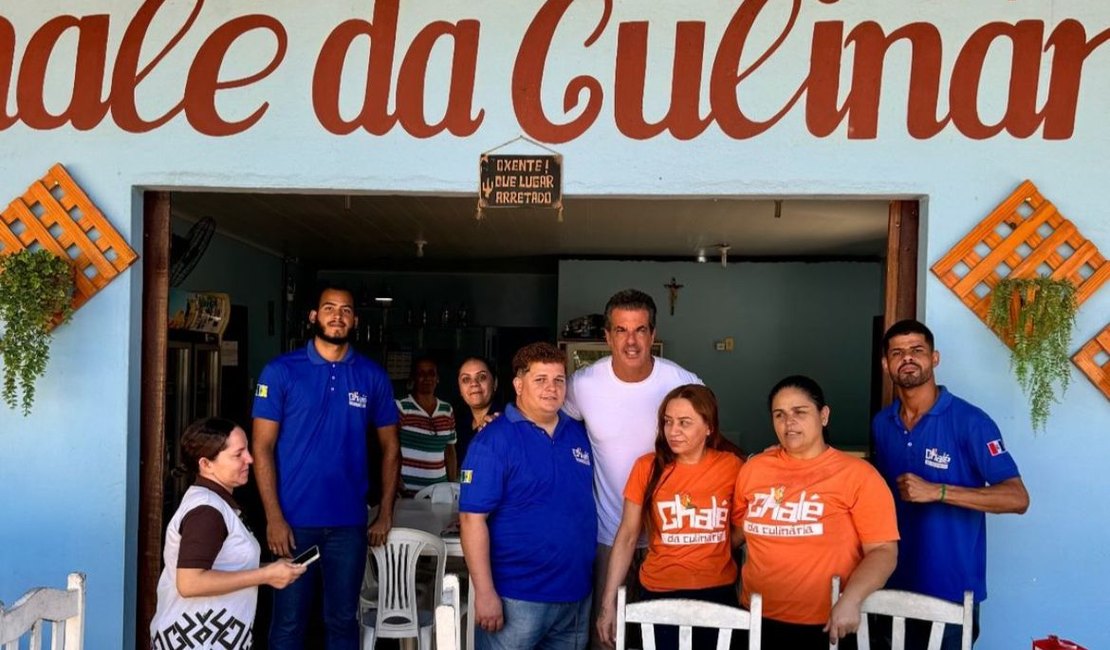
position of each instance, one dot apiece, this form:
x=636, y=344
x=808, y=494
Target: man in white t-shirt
x=618, y=398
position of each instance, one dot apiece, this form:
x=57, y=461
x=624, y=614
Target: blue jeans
x=550, y=626
x=341, y=566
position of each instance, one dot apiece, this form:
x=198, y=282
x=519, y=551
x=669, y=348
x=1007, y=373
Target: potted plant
x=36, y=289
x=1036, y=316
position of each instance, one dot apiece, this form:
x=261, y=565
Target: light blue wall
x=786, y=318
x=252, y=277
x=68, y=473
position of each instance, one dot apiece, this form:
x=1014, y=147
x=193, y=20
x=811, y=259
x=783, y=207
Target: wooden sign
x=520, y=181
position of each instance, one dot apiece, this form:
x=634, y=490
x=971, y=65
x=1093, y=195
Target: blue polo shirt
x=325, y=409
x=538, y=492
x=943, y=550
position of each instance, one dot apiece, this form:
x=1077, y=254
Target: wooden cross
x=672, y=290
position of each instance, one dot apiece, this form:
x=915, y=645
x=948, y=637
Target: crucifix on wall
x=672, y=290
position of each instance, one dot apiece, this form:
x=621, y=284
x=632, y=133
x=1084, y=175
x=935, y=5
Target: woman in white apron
x=208, y=590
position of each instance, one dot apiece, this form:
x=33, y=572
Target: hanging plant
x=36, y=288
x=1036, y=317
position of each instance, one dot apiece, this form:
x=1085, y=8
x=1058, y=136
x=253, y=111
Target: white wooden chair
x=900, y=605
x=439, y=492
x=449, y=616
x=688, y=614
x=397, y=615
x=64, y=609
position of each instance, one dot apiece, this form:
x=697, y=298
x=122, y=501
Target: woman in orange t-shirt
x=809, y=512
x=686, y=486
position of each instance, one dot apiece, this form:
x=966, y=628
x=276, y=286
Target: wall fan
x=186, y=251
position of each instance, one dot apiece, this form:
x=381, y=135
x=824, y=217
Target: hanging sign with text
x=520, y=181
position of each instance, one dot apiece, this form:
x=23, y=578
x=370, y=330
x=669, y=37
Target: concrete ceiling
x=380, y=231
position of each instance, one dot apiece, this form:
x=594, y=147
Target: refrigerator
x=192, y=392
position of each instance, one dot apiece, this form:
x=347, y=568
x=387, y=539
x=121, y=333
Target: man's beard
x=318, y=332
x=912, y=381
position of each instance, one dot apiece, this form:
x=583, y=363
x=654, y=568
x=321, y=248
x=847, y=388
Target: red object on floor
x=1054, y=642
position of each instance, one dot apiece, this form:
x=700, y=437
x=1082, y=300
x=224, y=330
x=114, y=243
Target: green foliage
x=1041, y=336
x=36, y=287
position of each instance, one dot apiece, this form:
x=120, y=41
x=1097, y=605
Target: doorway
x=774, y=276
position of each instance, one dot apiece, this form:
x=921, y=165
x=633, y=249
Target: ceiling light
x=702, y=259
x=384, y=297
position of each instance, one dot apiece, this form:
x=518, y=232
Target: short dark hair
x=540, y=352
x=908, y=326
x=331, y=286
x=630, y=299
x=205, y=438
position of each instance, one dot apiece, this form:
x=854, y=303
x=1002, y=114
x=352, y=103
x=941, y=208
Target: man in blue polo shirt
x=527, y=515
x=947, y=465
x=313, y=409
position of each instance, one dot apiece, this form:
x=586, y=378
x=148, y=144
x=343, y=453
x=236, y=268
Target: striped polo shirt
x=424, y=438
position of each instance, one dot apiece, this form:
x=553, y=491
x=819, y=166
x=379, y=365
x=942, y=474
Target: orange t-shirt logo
x=676, y=515
x=803, y=515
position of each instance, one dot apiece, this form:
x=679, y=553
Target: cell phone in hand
x=308, y=557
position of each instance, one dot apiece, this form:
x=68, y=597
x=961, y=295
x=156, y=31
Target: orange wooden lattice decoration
x=1024, y=237
x=56, y=214
x=1094, y=360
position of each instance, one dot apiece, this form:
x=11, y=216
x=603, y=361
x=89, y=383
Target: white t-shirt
x=622, y=419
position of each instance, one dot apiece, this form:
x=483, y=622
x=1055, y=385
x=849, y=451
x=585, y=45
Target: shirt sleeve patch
x=262, y=390
x=995, y=447
x=466, y=476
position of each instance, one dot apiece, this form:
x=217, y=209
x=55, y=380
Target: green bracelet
x=943, y=491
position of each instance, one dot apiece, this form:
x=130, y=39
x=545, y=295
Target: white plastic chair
x=449, y=616
x=900, y=605
x=439, y=492
x=688, y=614
x=63, y=608
x=396, y=615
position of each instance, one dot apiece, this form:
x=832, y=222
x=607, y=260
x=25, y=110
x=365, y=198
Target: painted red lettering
x=7, y=68
x=414, y=69
x=683, y=119
x=374, y=116
x=1070, y=49
x=204, y=76
x=126, y=75
x=85, y=107
x=861, y=106
x=93, y=96
x=1021, y=117
x=724, y=85
x=528, y=79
